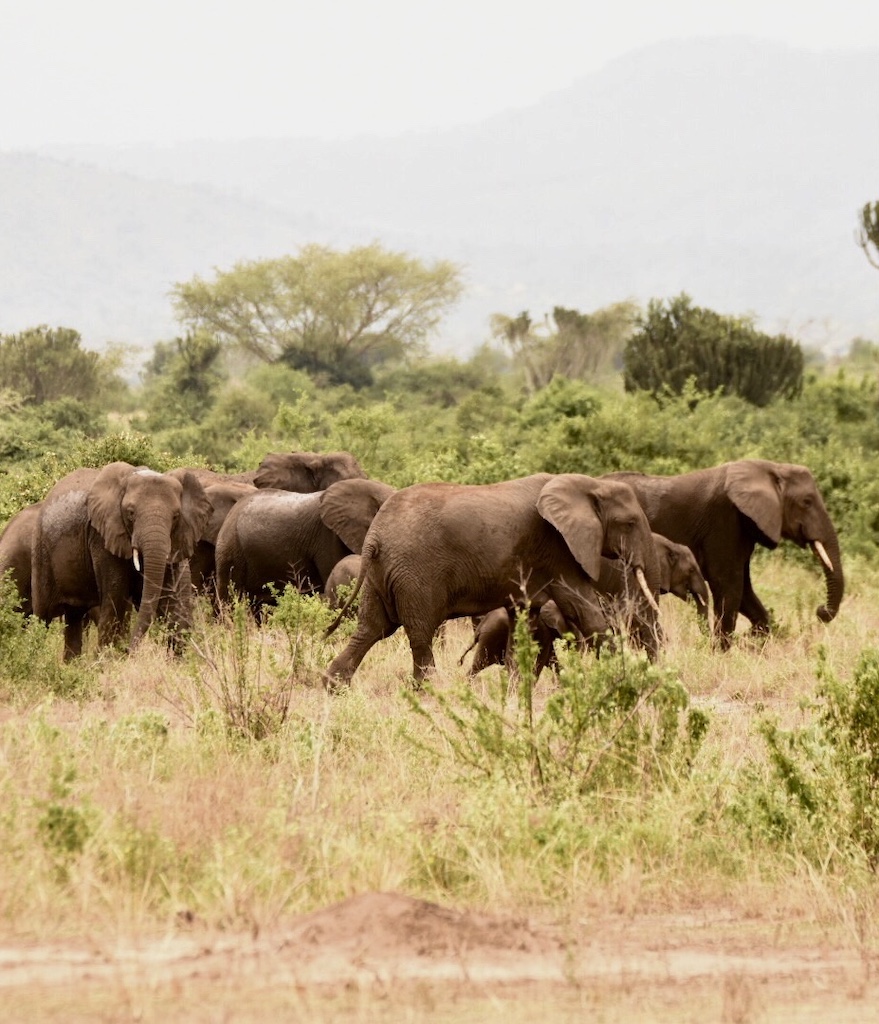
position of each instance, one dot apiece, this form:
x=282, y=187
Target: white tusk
x=642, y=583
x=822, y=554
x=699, y=599
x=137, y=559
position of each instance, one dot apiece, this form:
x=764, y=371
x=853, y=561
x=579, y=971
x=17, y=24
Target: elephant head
x=679, y=573
x=601, y=518
x=783, y=501
x=154, y=519
x=306, y=472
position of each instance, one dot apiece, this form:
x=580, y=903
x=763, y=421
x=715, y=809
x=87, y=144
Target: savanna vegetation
x=225, y=789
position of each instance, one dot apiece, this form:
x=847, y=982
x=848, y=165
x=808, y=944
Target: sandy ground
x=384, y=956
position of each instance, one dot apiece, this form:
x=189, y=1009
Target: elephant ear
x=349, y=507
x=334, y=466
x=755, y=489
x=195, y=511
x=104, y=504
x=222, y=497
x=568, y=502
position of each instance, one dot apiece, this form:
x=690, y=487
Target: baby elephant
x=679, y=575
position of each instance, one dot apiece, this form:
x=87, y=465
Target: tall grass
x=226, y=787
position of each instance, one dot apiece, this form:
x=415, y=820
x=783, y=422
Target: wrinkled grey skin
x=306, y=472
x=15, y=553
x=723, y=512
x=222, y=494
x=275, y=537
x=679, y=575
x=344, y=573
x=439, y=550
x=88, y=529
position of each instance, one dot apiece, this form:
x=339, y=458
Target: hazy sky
x=164, y=70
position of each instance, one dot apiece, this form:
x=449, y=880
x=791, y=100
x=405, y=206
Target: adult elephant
x=723, y=512
x=98, y=530
x=15, y=553
x=222, y=494
x=274, y=537
x=678, y=574
x=439, y=550
x=306, y=472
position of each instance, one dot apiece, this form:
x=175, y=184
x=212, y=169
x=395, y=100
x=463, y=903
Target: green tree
x=332, y=314
x=578, y=346
x=677, y=342
x=44, y=364
x=868, y=232
x=182, y=379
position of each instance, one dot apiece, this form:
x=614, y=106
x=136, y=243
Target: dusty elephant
x=98, y=530
x=15, y=553
x=440, y=550
x=222, y=494
x=723, y=512
x=274, y=537
x=678, y=574
x=306, y=472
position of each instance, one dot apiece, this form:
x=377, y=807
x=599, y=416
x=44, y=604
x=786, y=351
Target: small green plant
x=244, y=675
x=615, y=720
x=63, y=828
x=30, y=658
x=822, y=789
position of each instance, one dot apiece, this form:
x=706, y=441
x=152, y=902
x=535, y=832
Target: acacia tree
x=868, y=232
x=333, y=314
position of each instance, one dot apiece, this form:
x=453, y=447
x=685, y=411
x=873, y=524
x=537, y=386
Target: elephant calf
x=679, y=575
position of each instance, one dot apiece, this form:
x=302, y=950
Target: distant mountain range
x=728, y=168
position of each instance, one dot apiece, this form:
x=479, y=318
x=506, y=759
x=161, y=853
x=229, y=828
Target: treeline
x=327, y=350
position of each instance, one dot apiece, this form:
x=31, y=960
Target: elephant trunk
x=699, y=590
x=154, y=554
x=828, y=553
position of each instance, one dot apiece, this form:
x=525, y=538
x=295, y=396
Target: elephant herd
x=583, y=554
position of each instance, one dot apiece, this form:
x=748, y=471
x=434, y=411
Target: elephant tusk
x=642, y=583
x=822, y=554
x=137, y=559
x=699, y=599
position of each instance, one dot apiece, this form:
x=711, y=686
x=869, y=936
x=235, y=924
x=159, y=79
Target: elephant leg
x=74, y=622
x=752, y=607
x=727, y=597
x=373, y=624
x=421, y=643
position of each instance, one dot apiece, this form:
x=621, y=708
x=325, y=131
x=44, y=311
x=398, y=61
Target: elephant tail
x=370, y=550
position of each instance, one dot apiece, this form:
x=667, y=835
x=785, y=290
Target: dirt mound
x=384, y=924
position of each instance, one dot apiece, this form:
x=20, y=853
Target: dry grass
x=182, y=821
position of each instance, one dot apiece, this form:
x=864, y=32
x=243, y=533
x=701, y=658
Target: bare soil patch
x=386, y=956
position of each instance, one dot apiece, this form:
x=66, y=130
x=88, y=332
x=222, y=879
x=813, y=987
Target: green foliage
x=334, y=315
x=64, y=827
x=677, y=341
x=44, y=364
x=243, y=678
x=30, y=657
x=822, y=788
x=616, y=722
x=182, y=380
x=581, y=345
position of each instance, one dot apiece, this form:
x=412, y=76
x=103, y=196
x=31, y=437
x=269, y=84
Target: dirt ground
x=388, y=957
